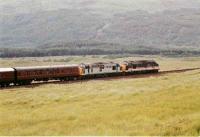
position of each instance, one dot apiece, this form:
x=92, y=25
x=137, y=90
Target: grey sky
x=27, y=6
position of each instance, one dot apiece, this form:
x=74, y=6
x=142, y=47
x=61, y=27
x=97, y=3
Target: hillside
x=126, y=25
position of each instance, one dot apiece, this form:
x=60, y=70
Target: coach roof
x=45, y=67
x=6, y=69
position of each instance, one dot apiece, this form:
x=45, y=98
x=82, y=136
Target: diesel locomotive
x=26, y=75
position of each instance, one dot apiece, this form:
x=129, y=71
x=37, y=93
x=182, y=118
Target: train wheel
x=46, y=79
x=66, y=79
x=75, y=78
x=62, y=79
x=27, y=82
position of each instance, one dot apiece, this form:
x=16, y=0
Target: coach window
x=40, y=72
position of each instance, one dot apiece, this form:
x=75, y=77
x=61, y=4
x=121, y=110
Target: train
x=26, y=75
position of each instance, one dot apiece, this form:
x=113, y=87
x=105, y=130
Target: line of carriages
x=25, y=75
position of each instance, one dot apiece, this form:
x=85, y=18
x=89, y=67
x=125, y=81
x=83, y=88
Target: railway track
x=160, y=73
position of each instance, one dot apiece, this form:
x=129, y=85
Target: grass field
x=165, y=105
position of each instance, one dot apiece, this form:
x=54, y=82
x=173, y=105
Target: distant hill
x=152, y=24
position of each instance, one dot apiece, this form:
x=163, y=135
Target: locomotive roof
x=6, y=69
x=45, y=67
x=100, y=63
x=139, y=61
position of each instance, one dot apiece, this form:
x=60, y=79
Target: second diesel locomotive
x=25, y=75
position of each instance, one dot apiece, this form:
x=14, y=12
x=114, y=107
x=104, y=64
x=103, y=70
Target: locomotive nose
x=81, y=70
x=123, y=67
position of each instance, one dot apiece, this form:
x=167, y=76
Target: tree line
x=32, y=52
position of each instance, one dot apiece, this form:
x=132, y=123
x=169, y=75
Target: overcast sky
x=27, y=6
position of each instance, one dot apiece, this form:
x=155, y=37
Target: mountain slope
x=153, y=23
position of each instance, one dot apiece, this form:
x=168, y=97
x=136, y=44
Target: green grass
x=166, y=105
